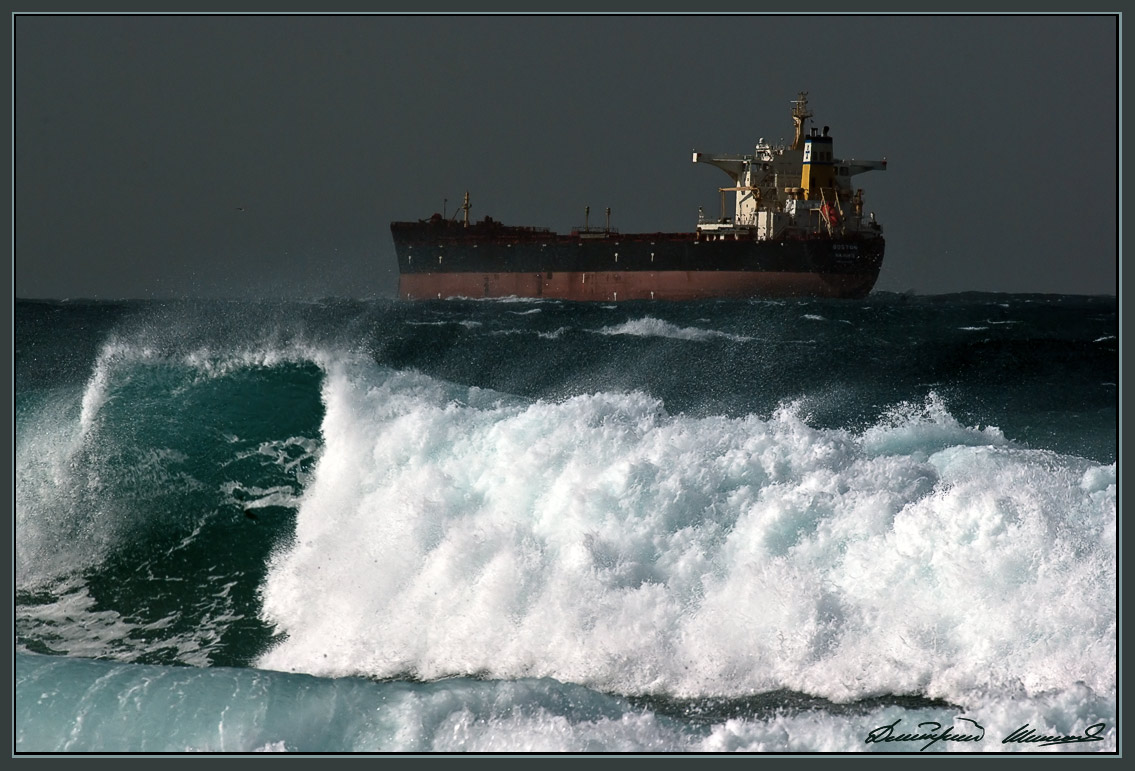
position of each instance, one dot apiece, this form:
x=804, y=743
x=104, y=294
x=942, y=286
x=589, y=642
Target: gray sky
x=139, y=139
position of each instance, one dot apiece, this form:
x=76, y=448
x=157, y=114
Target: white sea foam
x=653, y=327
x=258, y=497
x=464, y=323
x=272, y=747
x=604, y=542
x=918, y=430
x=73, y=624
x=289, y=454
x=553, y=335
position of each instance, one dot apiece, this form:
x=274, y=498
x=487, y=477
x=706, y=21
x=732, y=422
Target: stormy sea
x=791, y=526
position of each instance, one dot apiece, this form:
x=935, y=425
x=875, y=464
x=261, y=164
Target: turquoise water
x=538, y=526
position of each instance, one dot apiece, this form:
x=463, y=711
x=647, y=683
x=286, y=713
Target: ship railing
x=584, y=229
x=527, y=229
x=717, y=221
x=712, y=220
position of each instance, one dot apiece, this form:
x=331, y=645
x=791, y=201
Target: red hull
x=634, y=285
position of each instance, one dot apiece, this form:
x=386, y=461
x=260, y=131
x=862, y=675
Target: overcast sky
x=265, y=156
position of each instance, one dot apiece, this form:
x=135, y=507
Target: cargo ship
x=797, y=229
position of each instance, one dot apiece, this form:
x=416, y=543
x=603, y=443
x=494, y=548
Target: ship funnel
x=818, y=170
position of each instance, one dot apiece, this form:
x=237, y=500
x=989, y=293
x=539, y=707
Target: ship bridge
x=772, y=175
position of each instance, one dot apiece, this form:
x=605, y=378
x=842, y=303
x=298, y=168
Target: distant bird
x=240, y=208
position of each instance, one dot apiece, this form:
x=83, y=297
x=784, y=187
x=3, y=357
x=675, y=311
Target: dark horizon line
x=376, y=296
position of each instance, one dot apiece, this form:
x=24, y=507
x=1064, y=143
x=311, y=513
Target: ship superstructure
x=802, y=188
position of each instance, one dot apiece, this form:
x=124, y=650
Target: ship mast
x=800, y=113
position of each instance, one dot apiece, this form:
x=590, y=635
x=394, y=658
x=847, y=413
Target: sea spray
x=603, y=541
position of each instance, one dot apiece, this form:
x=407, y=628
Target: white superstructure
x=781, y=189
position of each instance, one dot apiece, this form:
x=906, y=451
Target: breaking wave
x=602, y=541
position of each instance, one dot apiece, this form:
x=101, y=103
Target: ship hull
x=635, y=285
x=614, y=267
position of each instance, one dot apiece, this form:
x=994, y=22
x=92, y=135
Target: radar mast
x=800, y=113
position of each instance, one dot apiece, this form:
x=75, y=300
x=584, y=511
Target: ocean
x=791, y=526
